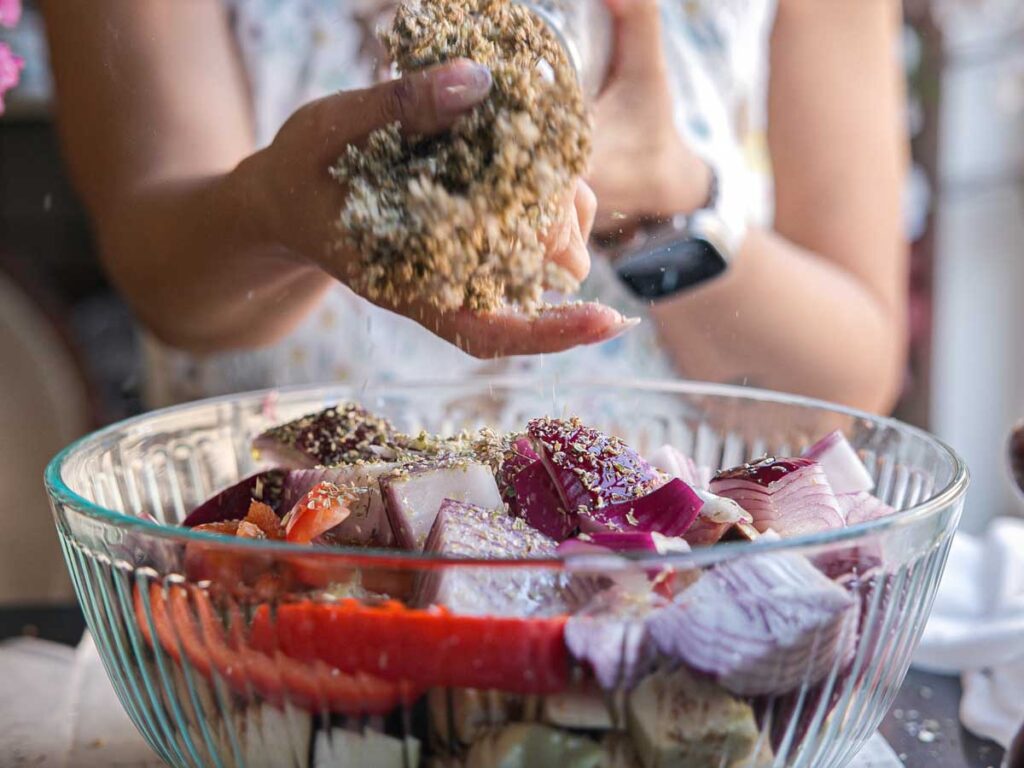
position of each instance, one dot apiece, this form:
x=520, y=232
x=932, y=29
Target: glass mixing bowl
x=255, y=676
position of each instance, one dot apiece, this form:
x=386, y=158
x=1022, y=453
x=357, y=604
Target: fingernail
x=460, y=86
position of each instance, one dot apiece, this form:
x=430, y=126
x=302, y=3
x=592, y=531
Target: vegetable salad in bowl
x=500, y=573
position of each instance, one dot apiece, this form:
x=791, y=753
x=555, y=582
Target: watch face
x=668, y=268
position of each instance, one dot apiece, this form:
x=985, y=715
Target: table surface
x=922, y=725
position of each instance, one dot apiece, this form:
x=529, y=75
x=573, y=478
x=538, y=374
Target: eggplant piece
x=344, y=434
x=413, y=496
x=472, y=532
x=680, y=720
x=466, y=714
x=340, y=748
x=233, y=503
x=529, y=745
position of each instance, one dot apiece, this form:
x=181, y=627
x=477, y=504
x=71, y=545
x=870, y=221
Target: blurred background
x=70, y=358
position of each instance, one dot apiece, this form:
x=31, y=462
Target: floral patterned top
x=297, y=50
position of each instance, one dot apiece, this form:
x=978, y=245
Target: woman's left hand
x=641, y=167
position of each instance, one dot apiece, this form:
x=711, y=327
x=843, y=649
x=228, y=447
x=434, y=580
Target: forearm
x=190, y=257
x=787, y=319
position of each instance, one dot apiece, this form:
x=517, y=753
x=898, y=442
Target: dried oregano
x=455, y=220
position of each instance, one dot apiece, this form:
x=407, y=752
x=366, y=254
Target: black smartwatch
x=673, y=256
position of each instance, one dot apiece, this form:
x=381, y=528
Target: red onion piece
x=233, y=503
x=610, y=636
x=413, y=497
x=674, y=462
x=589, y=468
x=470, y=531
x=791, y=496
x=862, y=507
x=759, y=625
x=669, y=510
x=845, y=471
x=520, y=457
x=537, y=501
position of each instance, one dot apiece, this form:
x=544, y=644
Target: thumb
x=639, y=49
x=423, y=103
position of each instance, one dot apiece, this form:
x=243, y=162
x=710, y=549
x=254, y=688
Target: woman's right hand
x=295, y=204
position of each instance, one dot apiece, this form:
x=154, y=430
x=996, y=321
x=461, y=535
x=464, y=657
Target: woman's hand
x=641, y=166
x=296, y=205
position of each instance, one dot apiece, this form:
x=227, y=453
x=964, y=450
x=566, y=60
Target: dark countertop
x=922, y=725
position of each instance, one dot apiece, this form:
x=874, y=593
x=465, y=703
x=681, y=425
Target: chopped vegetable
x=467, y=714
x=759, y=625
x=611, y=638
x=413, y=497
x=591, y=470
x=233, y=503
x=675, y=463
x=368, y=523
x=845, y=471
x=537, y=501
x=465, y=530
x=420, y=647
x=339, y=748
x=680, y=720
x=341, y=435
x=528, y=745
x=669, y=510
x=791, y=496
x=861, y=507
x=186, y=623
x=323, y=508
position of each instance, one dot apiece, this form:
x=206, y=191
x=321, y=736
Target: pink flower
x=10, y=12
x=10, y=70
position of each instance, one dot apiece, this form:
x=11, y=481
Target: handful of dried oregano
x=456, y=220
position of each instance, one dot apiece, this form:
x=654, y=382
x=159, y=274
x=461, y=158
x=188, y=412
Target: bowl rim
x=954, y=490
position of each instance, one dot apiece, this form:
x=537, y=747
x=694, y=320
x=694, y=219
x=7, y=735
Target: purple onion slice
x=610, y=636
x=845, y=471
x=790, y=496
x=669, y=510
x=233, y=503
x=674, y=462
x=470, y=531
x=537, y=501
x=862, y=507
x=591, y=469
x=759, y=625
x=413, y=496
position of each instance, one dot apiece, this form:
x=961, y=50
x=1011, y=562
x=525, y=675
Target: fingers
x=510, y=332
x=566, y=241
x=639, y=47
x=423, y=103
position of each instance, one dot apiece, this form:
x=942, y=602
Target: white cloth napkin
x=59, y=710
x=977, y=628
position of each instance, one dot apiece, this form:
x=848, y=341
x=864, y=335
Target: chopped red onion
x=674, y=462
x=413, y=496
x=626, y=541
x=791, y=496
x=862, y=507
x=233, y=503
x=537, y=501
x=520, y=457
x=845, y=471
x=759, y=625
x=590, y=469
x=669, y=510
x=470, y=531
x=610, y=636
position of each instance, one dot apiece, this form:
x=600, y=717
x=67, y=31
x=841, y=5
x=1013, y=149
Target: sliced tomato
x=423, y=647
x=323, y=508
x=185, y=621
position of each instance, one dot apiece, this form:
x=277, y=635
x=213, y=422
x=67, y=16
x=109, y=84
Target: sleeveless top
x=297, y=50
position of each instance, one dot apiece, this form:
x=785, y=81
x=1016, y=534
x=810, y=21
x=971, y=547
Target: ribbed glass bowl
x=248, y=675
